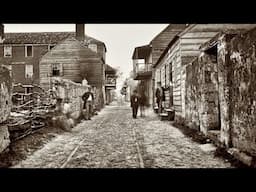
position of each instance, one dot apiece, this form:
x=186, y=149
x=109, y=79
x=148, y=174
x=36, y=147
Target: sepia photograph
x=166, y=95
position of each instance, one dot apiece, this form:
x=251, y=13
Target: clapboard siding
x=220, y=27
x=177, y=108
x=193, y=35
x=161, y=41
x=77, y=62
x=190, y=47
x=194, y=40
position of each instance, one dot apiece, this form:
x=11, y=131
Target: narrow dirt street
x=113, y=139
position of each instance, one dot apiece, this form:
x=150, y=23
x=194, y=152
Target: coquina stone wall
x=243, y=92
x=5, y=106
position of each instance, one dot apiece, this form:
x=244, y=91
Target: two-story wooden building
x=76, y=59
x=110, y=83
x=144, y=57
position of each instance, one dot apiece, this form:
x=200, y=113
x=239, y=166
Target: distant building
x=110, y=83
x=75, y=59
x=24, y=53
x=21, y=52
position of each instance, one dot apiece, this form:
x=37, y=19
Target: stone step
x=163, y=116
x=170, y=113
x=214, y=135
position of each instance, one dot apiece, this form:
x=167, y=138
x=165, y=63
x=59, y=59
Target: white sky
x=120, y=39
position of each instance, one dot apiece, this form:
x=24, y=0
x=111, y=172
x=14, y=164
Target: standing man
x=143, y=101
x=134, y=103
x=88, y=99
x=159, y=96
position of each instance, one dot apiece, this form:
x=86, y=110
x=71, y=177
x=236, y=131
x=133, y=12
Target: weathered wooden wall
x=77, y=62
x=65, y=53
x=161, y=41
x=162, y=74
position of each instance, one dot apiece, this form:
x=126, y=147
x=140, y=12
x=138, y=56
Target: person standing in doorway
x=134, y=103
x=159, y=96
x=88, y=99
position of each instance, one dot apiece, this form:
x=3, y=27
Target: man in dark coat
x=134, y=103
x=88, y=99
x=159, y=97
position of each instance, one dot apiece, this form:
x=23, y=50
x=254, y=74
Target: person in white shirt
x=88, y=99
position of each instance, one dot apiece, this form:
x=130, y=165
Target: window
x=7, y=51
x=165, y=76
x=28, y=71
x=93, y=47
x=56, y=69
x=170, y=72
x=28, y=51
x=50, y=47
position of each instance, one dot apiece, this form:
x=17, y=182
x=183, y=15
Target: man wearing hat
x=88, y=99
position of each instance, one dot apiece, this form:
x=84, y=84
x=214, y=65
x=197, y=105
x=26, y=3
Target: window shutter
x=61, y=69
x=51, y=69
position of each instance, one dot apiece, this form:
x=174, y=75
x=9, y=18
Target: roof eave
x=166, y=50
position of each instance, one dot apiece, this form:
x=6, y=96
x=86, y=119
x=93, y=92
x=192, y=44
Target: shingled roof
x=109, y=69
x=42, y=38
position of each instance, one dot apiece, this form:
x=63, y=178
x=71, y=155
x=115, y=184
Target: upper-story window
x=57, y=69
x=28, y=71
x=28, y=51
x=50, y=47
x=7, y=51
x=170, y=73
x=93, y=47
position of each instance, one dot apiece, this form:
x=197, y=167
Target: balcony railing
x=110, y=81
x=142, y=70
x=143, y=67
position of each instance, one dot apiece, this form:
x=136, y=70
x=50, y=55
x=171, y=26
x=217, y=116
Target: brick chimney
x=80, y=35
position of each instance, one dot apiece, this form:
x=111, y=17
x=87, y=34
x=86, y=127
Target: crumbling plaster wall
x=5, y=106
x=243, y=107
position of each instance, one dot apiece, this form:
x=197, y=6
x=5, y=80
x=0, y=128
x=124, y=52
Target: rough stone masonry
x=5, y=106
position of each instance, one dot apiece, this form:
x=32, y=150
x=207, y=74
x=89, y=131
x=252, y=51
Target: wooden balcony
x=110, y=82
x=142, y=71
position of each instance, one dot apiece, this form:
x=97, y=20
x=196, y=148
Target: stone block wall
x=221, y=94
x=68, y=91
x=225, y=78
x=243, y=107
x=192, y=96
x=208, y=92
x=5, y=94
x=5, y=106
x=201, y=94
